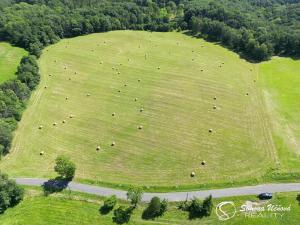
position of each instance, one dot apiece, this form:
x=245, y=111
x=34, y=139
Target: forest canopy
x=256, y=29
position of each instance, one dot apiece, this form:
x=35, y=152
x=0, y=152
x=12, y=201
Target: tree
x=10, y=193
x=122, y=215
x=134, y=194
x=207, y=206
x=108, y=204
x=65, y=167
x=155, y=208
x=196, y=208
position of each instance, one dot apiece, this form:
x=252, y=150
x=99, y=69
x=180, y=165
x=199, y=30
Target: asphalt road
x=172, y=196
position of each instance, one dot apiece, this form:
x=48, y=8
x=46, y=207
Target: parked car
x=265, y=195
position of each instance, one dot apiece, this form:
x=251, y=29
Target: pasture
x=74, y=208
x=9, y=60
x=133, y=107
x=280, y=84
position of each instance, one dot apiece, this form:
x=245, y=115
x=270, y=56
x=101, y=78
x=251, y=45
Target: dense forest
x=255, y=29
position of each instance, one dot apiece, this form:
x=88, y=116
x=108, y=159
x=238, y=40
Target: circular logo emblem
x=225, y=210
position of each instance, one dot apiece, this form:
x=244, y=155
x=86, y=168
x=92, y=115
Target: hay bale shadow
x=57, y=184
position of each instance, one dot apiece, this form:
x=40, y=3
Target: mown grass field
x=280, y=80
x=174, y=79
x=74, y=208
x=9, y=60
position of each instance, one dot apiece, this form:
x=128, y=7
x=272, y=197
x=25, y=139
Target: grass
x=9, y=60
x=280, y=80
x=179, y=77
x=75, y=208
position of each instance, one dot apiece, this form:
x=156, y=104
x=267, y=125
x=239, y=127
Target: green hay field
x=280, y=83
x=74, y=208
x=9, y=60
x=175, y=79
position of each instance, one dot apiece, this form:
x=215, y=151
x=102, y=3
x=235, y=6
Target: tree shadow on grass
x=104, y=210
x=57, y=184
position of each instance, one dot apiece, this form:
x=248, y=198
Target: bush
x=134, y=195
x=10, y=193
x=65, y=167
x=197, y=208
x=155, y=208
x=109, y=204
x=207, y=206
x=122, y=215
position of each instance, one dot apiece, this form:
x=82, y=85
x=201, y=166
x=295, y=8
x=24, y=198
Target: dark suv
x=264, y=196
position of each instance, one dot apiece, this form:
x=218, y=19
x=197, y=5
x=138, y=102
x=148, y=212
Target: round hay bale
x=140, y=127
x=50, y=75
x=88, y=94
x=119, y=91
x=135, y=99
x=215, y=98
x=67, y=98
x=215, y=107
x=193, y=174
x=42, y=153
x=113, y=68
x=63, y=121
x=98, y=148
x=141, y=110
x=40, y=127
x=210, y=130
x=203, y=163
x=75, y=72
x=125, y=85
x=113, y=114
x=119, y=72
x=113, y=143
x=45, y=87
x=158, y=67
x=201, y=70
x=54, y=124
x=139, y=80
x=101, y=62
x=247, y=93
x=71, y=116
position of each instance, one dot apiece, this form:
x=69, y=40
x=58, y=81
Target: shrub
x=108, y=204
x=10, y=193
x=155, y=208
x=65, y=167
x=207, y=206
x=122, y=215
x=134, y=195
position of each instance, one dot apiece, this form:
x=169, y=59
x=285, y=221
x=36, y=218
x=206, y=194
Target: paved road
x=172, y=196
